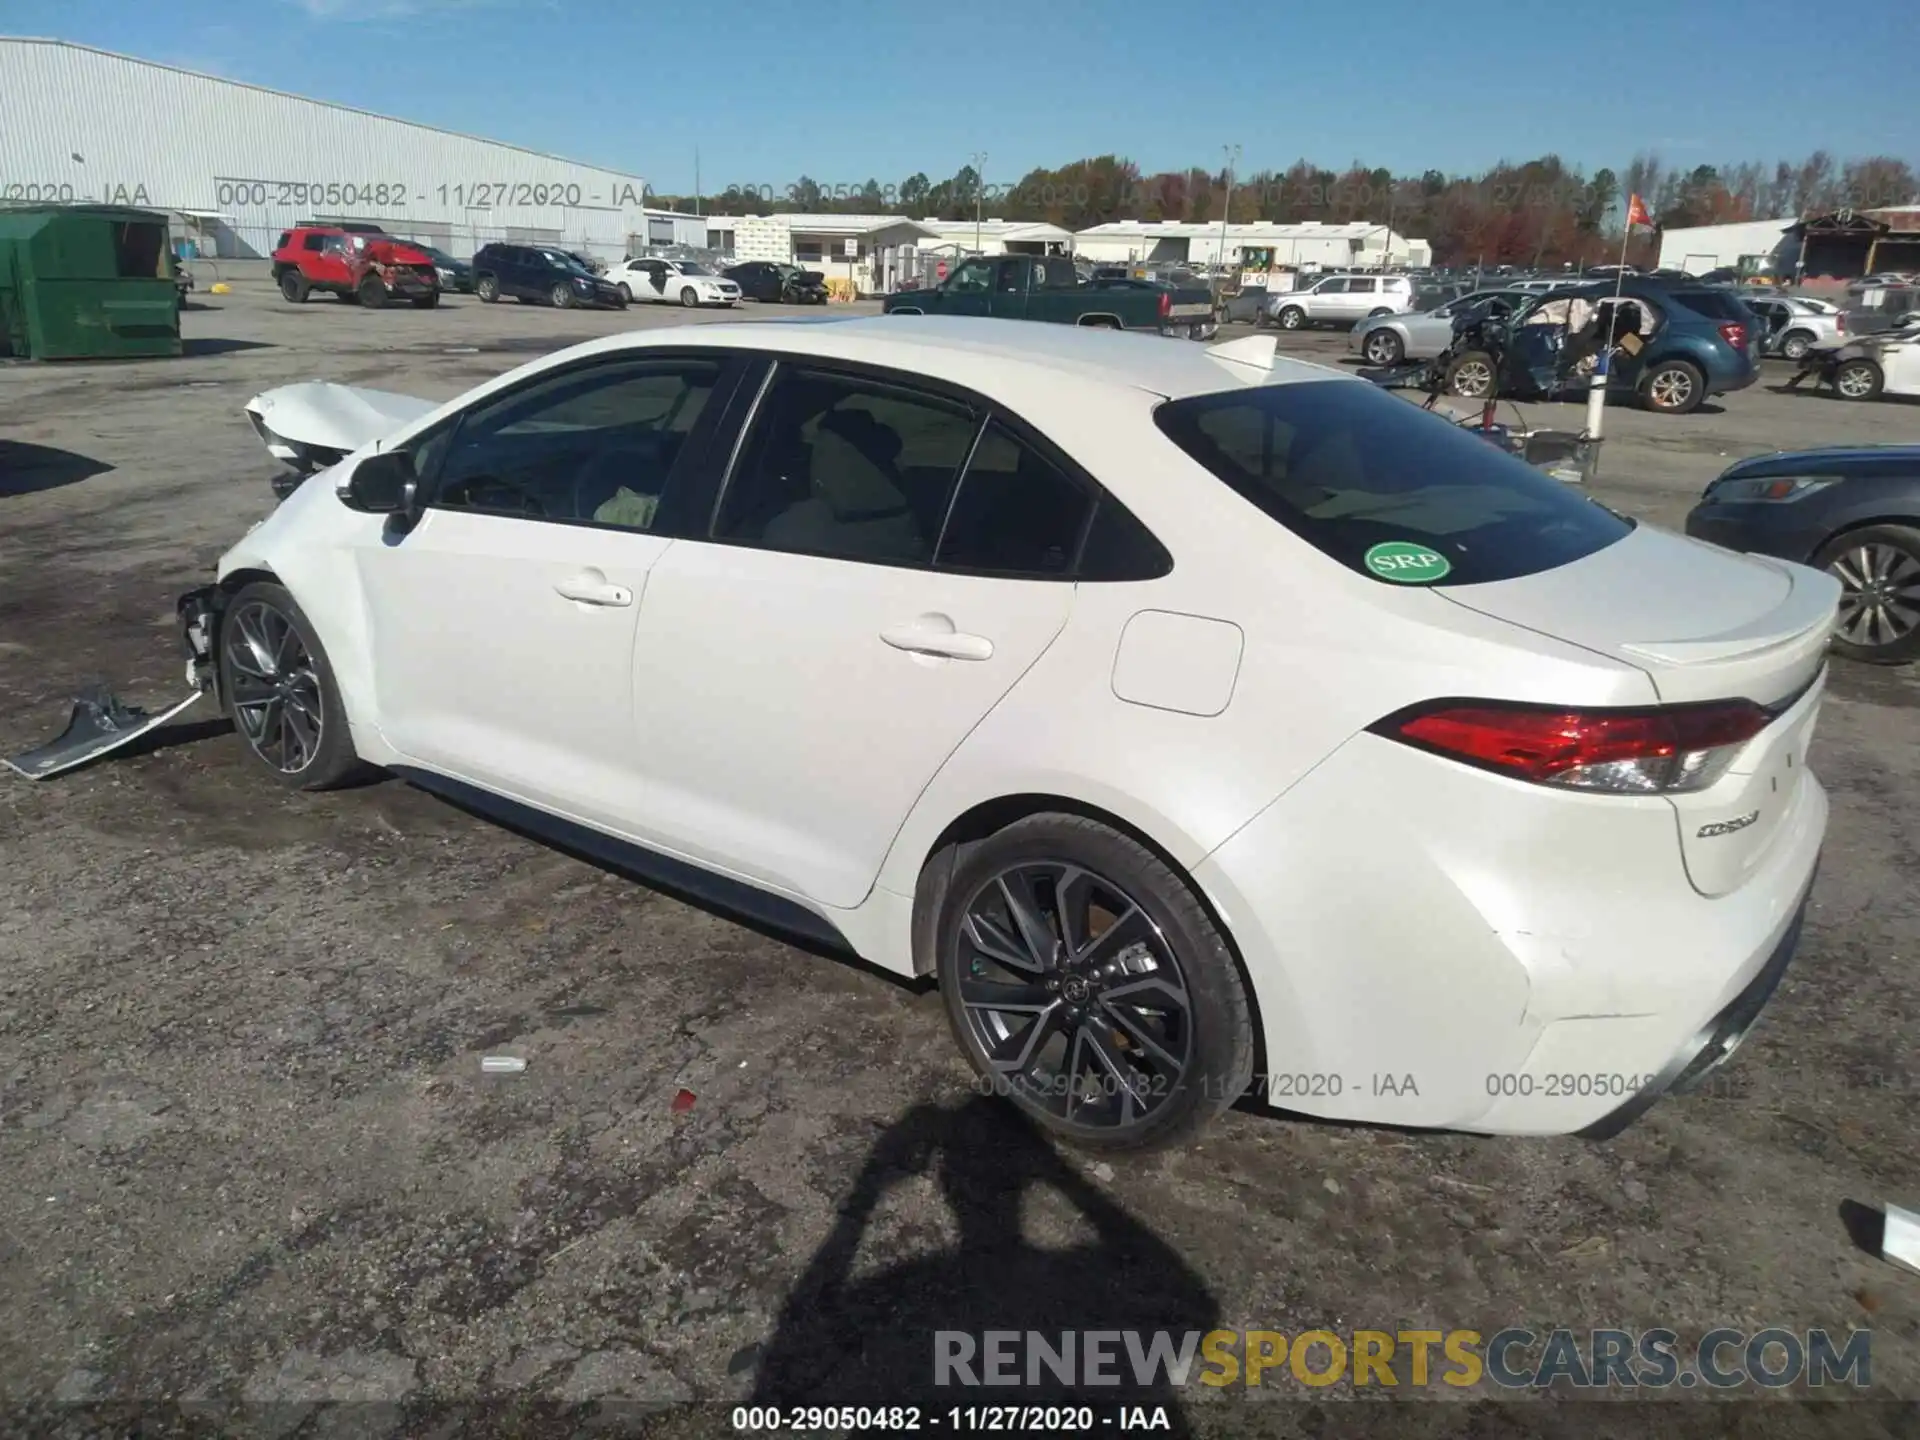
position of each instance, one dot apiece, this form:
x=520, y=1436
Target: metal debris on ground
x=502, y=1064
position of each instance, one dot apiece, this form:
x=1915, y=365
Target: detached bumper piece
x=99, y=723
x=1715, y=1042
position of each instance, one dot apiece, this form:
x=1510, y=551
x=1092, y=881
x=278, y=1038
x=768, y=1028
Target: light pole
x=979, y=194
x=1232, y=153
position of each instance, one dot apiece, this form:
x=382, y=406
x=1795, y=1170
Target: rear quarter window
x=1347, y=466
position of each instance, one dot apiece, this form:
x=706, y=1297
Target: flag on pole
x=1637, y=213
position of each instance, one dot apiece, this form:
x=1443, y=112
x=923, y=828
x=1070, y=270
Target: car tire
x=1376, y=314
x=688, y=298
x=370, y=292
x=1795, y=344
x=487, y=288
x=1673, y=387
x=560, y=297
x=1292, y=317
x=626, y=293
x=1203, y=1023
x=1875, y=565
x=1383, y=347
x=1858, y=380
x=274, y=672
x=293, y=287
x=426, y=302
x=1471, y=376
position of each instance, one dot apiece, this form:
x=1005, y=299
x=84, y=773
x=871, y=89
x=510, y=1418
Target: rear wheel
x=626, y=293
x=1383, y=347
x=1376, y=314
x=487, y=288
x=1673, y=387
x=1795, y=344
x=560, y=296
x=371, y=292
x=1087, y=984
x=293, y=287
x=1858, y=380
x=280, y=691
x=688, y=298
x=1878, y=568
x=1292, y=318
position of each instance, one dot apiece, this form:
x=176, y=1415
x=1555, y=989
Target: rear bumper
x=1433, y=947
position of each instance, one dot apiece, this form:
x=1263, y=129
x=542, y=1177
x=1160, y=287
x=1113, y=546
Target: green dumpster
x=85, y=282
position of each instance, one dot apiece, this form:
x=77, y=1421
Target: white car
x=1341, y=300
x=684, y=282
x=1186, y=712
x=1866, y=367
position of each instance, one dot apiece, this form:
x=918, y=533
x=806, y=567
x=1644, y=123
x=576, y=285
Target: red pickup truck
x=355, y=265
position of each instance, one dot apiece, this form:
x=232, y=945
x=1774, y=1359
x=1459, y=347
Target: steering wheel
x=466, y=486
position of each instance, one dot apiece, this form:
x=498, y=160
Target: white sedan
x=1186, y=713
x=683, y=282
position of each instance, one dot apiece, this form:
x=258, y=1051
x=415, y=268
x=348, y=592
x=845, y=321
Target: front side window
x=594, y=446
x=1331, y=287
x=1347, y=467
x=1017, y=512
x=846, y=467
x=974, y=276
x=313, y=242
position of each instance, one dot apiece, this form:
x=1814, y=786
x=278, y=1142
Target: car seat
x=638, y=465
x=855, y=506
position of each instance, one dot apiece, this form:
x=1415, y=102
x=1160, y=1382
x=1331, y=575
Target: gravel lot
x=255, y=1160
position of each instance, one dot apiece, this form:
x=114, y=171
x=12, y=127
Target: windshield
x=1348, y=467
x=566, y=262
x=692, y=267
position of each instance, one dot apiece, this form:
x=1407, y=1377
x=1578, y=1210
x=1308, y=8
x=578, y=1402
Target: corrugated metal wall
x=81, y=125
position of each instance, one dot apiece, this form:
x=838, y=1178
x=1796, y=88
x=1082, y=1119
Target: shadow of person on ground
x=871, y=1339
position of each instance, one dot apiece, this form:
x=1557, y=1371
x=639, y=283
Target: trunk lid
x=1702, y=622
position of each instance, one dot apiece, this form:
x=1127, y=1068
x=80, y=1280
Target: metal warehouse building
x=1308, y=243
x=238, y=164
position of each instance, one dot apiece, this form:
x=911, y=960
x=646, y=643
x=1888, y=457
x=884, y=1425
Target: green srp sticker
x=1407, y=563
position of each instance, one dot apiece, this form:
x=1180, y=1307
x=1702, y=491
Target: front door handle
x=919, y=639
x=590, y=587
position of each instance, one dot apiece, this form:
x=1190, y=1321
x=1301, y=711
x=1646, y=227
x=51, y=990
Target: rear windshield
x=1348, y=467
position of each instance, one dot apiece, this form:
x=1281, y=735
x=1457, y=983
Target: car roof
x=992, y=356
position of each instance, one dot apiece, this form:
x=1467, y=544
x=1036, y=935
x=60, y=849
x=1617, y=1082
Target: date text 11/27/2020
x=394, y=194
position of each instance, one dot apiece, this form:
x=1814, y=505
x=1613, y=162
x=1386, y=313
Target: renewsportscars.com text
x=1515, y=1359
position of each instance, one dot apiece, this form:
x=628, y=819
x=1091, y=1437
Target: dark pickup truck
x=1034, y=287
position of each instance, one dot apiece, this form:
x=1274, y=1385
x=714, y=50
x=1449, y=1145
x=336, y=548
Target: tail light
x=1166, y=304
x=1840, y=323
x=1734, y=333
x=1668, y=750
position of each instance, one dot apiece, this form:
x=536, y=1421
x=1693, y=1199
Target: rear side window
x=1719, y=304
x=1349, y=467
x=1017, y=512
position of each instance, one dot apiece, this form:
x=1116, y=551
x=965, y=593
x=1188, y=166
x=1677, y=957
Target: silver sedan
x=1389, y=339
x=1793, y=325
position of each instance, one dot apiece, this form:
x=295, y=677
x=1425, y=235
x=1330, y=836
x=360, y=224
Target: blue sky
x=770, y=90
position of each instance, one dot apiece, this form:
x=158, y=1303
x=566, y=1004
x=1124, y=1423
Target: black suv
x=541, y=274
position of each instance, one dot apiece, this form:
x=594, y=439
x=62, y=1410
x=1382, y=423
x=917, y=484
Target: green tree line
x=1540, y=211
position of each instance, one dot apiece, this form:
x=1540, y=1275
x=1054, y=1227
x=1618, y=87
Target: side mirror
x=381, y=484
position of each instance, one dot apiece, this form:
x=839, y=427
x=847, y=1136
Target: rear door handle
x=590, y=587
x=921, y=640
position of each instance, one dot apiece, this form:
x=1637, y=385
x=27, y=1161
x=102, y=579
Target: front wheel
x=1878, y=568
x=1673, y=388
x=371, y=292
x=561, y=296
x=426, y=302
x=1471, y=376
x=487, y=288
x=1383, y=347
x=1292, y=318
x=626, y=293
x=1087, y=984
x=280, y=692
x=1858, y=380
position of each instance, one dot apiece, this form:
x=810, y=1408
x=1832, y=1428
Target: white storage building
x=1311, y=244
x=1697, y=249
x=237, y=164
x=872, y=251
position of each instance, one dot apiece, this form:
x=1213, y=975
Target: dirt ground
x=253, y=1158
